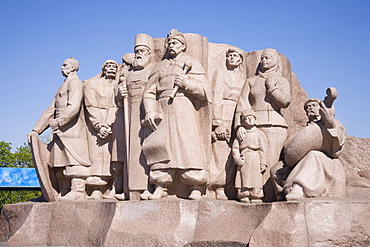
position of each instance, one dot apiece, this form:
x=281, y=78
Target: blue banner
x=18, y=178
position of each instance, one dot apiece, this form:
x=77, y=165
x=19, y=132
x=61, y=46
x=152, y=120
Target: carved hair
x=109, y=61
x=74, y=63
x=311, y=100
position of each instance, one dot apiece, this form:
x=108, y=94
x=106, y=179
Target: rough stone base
x=318, y=222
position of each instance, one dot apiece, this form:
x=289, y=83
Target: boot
x=145, y=195
x=195, y=194
x=77, y=190
x=159, y=193
x=96, y=195
x=220, y=194
x=295, y=194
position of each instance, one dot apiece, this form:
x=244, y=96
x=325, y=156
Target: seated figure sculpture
x=67, y=152
x=174, y=98
x=249, y=155
x=311, y=167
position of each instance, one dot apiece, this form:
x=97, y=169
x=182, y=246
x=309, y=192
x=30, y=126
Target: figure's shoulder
x=74, y=82
x=254, y=79
x=196, y=66
x=91, y=81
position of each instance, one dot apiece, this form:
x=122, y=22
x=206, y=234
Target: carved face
x=110, y=70
x=312, y=110
x=233, y=59
x=67, y=68
x=142, y=57
x=268, y=61
x=249, y=121
x=175, y=47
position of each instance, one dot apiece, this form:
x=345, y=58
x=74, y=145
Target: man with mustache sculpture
x=136, y=80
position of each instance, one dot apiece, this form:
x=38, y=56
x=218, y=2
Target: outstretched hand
x=327, y=115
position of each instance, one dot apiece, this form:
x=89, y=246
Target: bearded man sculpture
x=136, y=80
x=311, y=167
x=99, y=97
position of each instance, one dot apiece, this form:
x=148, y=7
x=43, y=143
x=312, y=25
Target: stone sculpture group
x=182, y=117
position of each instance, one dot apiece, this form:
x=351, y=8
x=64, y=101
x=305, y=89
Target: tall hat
x=174, y=34
x=144, y=39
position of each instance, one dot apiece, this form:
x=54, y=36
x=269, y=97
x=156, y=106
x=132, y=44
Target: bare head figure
x=234, y=58
x=269, y=59
x=312, y=108
x=176, y=43
x=69, y=66
x=110, y=69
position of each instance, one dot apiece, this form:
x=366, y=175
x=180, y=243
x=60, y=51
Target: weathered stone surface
x=310, y=222
x=284, y=225
x=4, y=227
x=338, y=223
x=356, y=154
x=356, y=160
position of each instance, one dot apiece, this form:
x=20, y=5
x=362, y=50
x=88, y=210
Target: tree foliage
x=22, y=157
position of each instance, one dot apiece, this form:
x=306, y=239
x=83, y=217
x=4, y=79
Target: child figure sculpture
x=249, y=153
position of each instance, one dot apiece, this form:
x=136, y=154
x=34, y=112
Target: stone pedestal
x=310, y=222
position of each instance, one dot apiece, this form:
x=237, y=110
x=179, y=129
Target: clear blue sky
x=327, y=42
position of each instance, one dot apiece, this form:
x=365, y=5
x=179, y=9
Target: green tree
x=22, y=157
x=6, y=155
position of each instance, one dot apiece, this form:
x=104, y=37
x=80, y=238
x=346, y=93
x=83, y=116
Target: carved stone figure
x=226, y=92
x=176, y=103
x=311, y=167
x=249, y=155
x=126, y=63
x=266, y=94
x=101, y=108
x=68, y=151
x=136, y=80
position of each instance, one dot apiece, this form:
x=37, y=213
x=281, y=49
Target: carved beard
x=140, y=61
x=109, y=75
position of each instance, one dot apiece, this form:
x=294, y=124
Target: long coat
x=69, y=145
x=100, y=108
x=182, y=138
x=253, y=150
x=138, y=169
x=312, y=153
